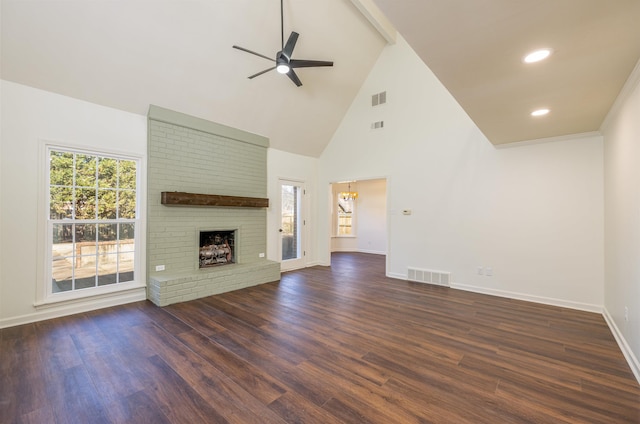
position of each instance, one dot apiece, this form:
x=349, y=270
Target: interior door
x=292, y=225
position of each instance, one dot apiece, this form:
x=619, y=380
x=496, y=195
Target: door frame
x=301, y=262
x=330, y=215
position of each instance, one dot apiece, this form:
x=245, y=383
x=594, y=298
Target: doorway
x=358, y=216
x=292, y=225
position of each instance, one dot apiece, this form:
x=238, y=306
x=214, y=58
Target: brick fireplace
x=192, y=165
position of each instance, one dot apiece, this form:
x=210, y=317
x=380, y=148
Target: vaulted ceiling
x=476, y=49
x=177, y=54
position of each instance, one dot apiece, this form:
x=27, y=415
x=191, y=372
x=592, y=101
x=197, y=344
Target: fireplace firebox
x=217, y=248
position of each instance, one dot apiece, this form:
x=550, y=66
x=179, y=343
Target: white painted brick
x=183, y=159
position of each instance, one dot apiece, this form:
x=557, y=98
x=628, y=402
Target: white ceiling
x=475, y=48
x=177, y=54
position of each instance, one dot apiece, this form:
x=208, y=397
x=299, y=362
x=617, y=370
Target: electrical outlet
x=159, y=267
x=261, y=255
x=626, y=314
x=480, y=270
x=488, y=272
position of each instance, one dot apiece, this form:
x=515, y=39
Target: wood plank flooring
x=324, y=345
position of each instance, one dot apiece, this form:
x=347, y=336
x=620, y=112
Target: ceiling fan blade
x=292, y=75
x=291, y=43
x=257, y=54
x=261, y=72
x=296, y=63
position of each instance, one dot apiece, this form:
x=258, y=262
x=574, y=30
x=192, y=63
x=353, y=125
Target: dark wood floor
x=325, y=345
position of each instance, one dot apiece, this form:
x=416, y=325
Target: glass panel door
x=291, y=225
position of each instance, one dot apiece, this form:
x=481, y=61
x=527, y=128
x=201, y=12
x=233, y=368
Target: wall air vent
x=377, y=125
x=379, y=99
x=429, y=276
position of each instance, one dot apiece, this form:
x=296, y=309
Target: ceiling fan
x=284, y=64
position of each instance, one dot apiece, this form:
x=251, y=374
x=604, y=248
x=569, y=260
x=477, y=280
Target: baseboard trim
x=76, y=308
x=530, y=298
x=632, y=360
x=372, y=252
x=347, y=250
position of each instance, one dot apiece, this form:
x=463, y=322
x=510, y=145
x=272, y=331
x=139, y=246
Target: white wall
x=533, y=213
x=29, y=117
x=289, y=166
x=622, y=218
x=370, y=219
x=1, y=177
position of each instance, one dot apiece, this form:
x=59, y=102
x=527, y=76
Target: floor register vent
x=429, y=276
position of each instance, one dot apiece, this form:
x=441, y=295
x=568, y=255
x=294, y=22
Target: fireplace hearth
x=217, y=248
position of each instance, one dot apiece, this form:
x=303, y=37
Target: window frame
x=354, y=215
x=45, y=295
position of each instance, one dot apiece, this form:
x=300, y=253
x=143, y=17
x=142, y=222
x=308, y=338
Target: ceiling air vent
x=379, y=99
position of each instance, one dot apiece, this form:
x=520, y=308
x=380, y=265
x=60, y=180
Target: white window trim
x=44, y=295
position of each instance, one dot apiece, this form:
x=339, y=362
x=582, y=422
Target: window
x=92, y=221
x=346, y=212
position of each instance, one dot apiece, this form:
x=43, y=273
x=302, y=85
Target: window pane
x=127, y=174
x=127, y=240
x=61, y=203
x=345, y=205
x=86, y=234
x=108, y=173
x=61, y=168
x=62, y=235
x=106, y=204
x=62, y=257
x=61, y=276
x=107, y=253
x=344, y=224
x=125, y=267
x=85, y=271
x=108, y=233
x=291, y=224
x=85, y=203
x=127, y=204
x=85, y=171
x=107, y=266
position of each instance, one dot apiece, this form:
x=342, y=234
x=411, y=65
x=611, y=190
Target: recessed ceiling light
x=540, y=112
x=537, y=56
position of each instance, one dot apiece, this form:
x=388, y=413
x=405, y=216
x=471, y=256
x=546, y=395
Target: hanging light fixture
x=349, y=195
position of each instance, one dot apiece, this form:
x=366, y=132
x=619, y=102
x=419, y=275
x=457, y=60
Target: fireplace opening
x=217, y=248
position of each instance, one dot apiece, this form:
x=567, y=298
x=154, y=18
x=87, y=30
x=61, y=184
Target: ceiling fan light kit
x=283, y=68
x=284, y=64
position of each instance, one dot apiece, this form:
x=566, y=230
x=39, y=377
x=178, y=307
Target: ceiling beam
x=379, y=21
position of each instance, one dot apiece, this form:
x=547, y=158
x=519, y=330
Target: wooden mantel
x=177, y=198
